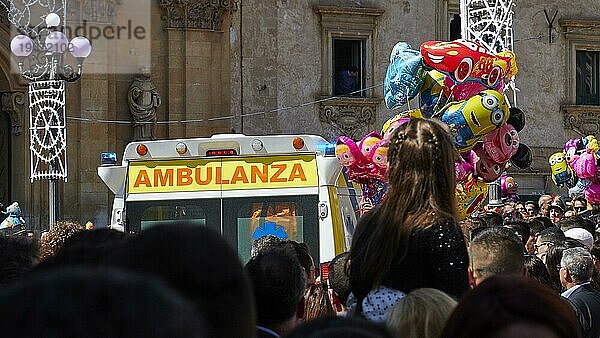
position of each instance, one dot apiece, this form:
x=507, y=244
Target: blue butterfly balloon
x=404, y=77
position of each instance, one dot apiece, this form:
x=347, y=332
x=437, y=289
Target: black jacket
x=586, y=302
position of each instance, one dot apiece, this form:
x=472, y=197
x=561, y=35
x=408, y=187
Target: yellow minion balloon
x=471, y=119
x=561, y=172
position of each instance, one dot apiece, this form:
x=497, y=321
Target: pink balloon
x=501, y=144
x=486, y=168
x=465, y=90
x=584, y=165
x=592, y=194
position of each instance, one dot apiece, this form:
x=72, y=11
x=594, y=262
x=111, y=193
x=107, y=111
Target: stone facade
x=252, y=66
x=189, y=64
x=295, y=31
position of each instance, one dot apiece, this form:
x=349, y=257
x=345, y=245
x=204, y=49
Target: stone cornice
x=332, y=10
x=350, y=116
x=196, y=14
x=580, y=23
x=584, y=28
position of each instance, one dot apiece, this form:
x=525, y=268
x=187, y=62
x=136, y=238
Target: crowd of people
x=522, y=270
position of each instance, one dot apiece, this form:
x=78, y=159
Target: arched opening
x=5, y=146
x=5, y=156
x=14, y=155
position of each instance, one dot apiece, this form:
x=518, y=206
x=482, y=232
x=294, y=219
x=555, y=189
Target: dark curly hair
x=54, y=239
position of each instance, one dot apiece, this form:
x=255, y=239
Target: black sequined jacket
x=436, y=257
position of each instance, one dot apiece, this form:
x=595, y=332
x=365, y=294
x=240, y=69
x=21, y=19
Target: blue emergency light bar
x=327, y=149
x=108, y=158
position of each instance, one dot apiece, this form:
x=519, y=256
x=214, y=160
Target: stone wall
x=267, y=55
x=189, y=64
x=294, y=76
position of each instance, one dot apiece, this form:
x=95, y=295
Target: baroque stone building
x=268, y=67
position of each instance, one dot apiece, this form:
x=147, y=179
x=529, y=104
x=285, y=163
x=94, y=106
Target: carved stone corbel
x=196, y=14
x=14, y=104
x=584, y=120
x=352, y=117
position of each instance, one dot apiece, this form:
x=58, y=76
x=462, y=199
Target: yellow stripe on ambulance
x=223, y=174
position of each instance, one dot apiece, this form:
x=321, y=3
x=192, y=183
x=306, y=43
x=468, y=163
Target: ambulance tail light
x=141, y=149
x=298, y=143
x=221, y=152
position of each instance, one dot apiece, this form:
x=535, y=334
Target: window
x=349, y=67
x=347, y=38
x=255, y=220
x=581, y=111
x=447, y=20
x=239, y=220
x=289, y=217
x=147, y=214
x=587, y=77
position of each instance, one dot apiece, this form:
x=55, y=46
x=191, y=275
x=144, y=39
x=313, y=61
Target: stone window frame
x=580, y=34
x=355, y=23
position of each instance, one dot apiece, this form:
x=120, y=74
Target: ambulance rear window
x=239, y=219
x=147, y=214
x=287, y=217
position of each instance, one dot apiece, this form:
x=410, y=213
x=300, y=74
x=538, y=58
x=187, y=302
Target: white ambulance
x=245, y=187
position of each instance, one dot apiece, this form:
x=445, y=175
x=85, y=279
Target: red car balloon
x=465, y=60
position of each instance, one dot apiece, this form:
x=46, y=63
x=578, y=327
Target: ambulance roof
x=242, y=145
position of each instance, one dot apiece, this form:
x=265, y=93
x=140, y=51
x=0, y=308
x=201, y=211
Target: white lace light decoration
x=489, y=23
x=28, y=16
x=47, y=126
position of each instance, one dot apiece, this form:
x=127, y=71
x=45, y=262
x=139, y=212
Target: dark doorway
x=5, y=159
x=455, y=27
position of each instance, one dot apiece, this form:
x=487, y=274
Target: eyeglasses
x=537, y=246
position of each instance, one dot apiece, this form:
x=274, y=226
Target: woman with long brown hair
x=411, y=240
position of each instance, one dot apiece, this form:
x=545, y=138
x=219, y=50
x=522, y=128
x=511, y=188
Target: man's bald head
x=496, y=251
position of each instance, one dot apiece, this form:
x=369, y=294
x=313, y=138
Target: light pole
x=42, y=61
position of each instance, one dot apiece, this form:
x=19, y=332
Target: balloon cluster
x=366, y=163
x=461, y=84
x=578, y=168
